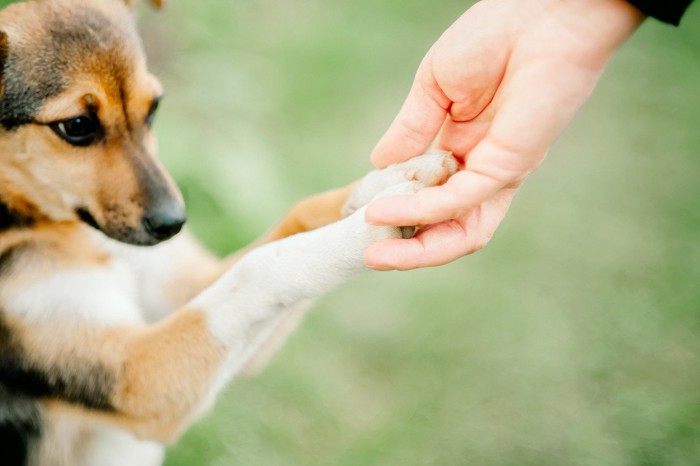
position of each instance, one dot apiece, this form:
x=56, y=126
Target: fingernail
x=380, y=268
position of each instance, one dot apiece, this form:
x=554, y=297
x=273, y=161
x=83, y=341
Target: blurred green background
x=573, y=339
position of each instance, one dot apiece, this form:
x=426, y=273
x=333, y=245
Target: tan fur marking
x=61, y=240
x=310, y=213
x=162, y=372
x=65, y=347
x=19, y=205
x=167, y=370
x=53, y=247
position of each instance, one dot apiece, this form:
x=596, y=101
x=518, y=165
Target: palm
x=499, y=91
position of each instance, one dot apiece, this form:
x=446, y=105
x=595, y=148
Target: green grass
x=573, y=339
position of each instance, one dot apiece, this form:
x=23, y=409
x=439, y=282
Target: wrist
x=601, y=26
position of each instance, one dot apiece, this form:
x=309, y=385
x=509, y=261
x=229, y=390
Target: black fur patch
x=8, y=256
x=20, y=422
x=10, y=218
x=78, y=381
x=20, y=427
x=6, y=218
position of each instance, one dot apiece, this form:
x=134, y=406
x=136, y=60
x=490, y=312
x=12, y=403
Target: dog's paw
x=430, y=169
x=364, y=234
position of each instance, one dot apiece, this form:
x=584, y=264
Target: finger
x=417, y=123
x=444, y=242
x=460, y=137
x=440, y=245
x=463, y=191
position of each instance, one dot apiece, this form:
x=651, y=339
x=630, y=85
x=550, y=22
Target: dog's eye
x=152, y=111
x=80, y=131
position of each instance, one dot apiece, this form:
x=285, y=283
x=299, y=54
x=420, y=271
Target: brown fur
x=157, y=390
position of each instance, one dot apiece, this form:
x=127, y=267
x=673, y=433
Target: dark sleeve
x=668, y=11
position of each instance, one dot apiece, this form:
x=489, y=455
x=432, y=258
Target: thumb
x=417, y=123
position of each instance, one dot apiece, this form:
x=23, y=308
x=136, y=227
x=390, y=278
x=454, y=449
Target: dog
x=117, y=329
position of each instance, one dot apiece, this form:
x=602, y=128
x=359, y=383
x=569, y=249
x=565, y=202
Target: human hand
x=499, y=86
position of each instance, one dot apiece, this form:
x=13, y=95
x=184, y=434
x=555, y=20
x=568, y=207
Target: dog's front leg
x=247, y=304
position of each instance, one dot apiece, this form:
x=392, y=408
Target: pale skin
x=496, y=89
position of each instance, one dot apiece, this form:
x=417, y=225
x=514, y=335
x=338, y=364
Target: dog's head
x=76, y=107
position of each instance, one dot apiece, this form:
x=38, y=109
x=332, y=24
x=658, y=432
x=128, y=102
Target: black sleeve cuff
x=668, y=11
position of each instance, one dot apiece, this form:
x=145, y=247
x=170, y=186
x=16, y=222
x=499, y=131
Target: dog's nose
x=164, y=222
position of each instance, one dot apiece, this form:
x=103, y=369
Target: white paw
x=430, y=169
x=367, y=234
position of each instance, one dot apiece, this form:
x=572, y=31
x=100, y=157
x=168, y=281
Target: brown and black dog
x=108, y=349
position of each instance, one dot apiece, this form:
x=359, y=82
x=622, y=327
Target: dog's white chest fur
x=105, y=294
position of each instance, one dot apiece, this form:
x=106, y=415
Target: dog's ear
x=3, y=59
